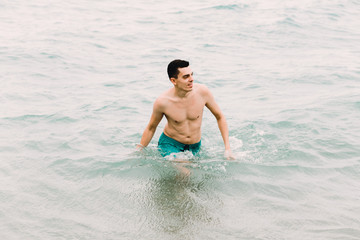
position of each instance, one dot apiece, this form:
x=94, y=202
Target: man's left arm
x=221, y=120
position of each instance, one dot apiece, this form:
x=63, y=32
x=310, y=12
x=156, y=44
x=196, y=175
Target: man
x=183, y=105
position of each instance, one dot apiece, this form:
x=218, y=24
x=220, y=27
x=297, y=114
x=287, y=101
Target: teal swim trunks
x=167, y=145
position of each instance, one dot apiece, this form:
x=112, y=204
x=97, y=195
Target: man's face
x=184, y=79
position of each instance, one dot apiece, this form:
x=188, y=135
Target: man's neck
x=181, y=93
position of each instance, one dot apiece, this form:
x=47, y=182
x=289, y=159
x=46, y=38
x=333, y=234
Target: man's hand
x=229, y=155
x=139, y=147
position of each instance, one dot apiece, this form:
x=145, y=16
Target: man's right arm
x=150, y=129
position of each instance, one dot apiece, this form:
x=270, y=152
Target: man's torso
x=184, y=115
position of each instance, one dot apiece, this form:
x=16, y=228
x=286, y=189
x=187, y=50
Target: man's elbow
x=151, y=128
x=219, y=116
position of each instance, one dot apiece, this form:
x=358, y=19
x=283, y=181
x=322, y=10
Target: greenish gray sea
x=77, y=84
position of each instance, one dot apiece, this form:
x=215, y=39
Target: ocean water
x=77, y=83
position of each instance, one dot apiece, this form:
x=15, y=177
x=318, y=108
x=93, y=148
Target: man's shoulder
x=202, y=89
x=162, y=100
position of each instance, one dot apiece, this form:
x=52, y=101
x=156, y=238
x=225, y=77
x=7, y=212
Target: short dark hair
x=173, y=67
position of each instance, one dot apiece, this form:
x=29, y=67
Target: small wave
x=230, y=7
x=35, y=118
x=290, y=22
x=357, y=105
x=62, y=119
x=51, y=55
x=31, y=118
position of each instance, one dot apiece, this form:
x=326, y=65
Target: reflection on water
x=179, y=205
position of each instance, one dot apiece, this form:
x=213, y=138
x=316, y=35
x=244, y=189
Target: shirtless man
x=183, y=106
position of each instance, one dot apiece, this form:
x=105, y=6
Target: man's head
x=173, y=67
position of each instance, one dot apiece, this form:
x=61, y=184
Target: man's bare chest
x=185, y=111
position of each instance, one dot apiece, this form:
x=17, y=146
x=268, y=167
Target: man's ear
x=173, y=80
